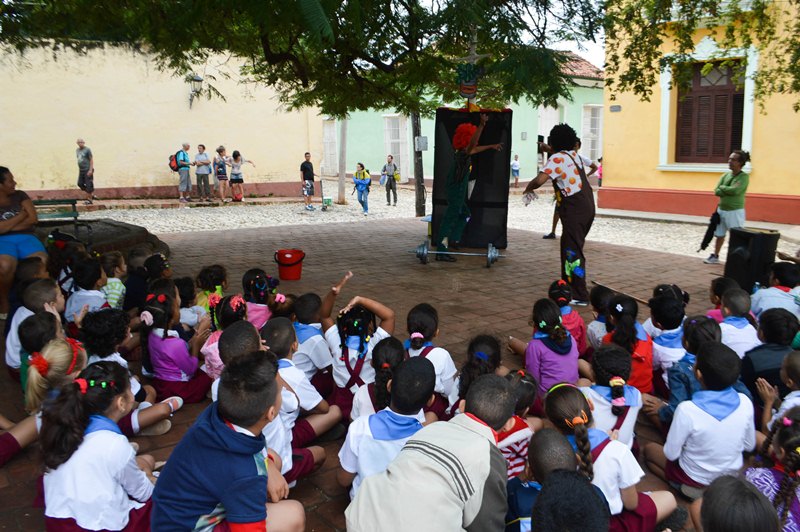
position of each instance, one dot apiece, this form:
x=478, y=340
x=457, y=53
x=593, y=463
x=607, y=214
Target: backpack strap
x=621, y=418
x=599, y=449
x=426, y=351
x=354, y=372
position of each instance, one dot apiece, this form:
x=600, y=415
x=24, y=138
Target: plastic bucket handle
x=302, y=256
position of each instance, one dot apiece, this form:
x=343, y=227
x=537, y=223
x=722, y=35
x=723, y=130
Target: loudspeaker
x=750, y=254
x=488, y=197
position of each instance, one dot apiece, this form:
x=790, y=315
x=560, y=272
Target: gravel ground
x=670, y=237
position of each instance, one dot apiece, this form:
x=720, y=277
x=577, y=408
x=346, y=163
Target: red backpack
x=173, y=161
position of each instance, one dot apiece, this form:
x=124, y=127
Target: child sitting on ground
x=221, y=445
x=63, y=252
x=259, y=290
x=776, y=328
x=423, y=326
x=665, y=290
x=89, y=282
x=313, y=355
x=113, y=263
x=719, y=285
x=771, y=397
x=552, y=355
x=28, y=270
x=373, y=441
x=784, y=278
x=709, y=432
x=561, y=293
x=175, y=363
x=82, y=445
x=608, y=463
x=513, y=442
x=738, y=326
x=136, y=283
x=223, y=313
x=157, y=267
x=599, y=297
x=374, y=397
x=434, y=487
x=666, y=314
x=211, y=280
x=732, y=504
x=776, y=473
x=34, y=333
x=191, y=313
x=629, y=335
x=616, y=403
x=483, y=358
x=569, y=502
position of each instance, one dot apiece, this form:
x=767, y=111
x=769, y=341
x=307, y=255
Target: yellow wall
x=631, y=145
x=134, y=116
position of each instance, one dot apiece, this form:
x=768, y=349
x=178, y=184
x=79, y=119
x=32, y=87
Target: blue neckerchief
x=689, y=358
x=673, y=339
x=407, y=344
x=305, y=331
x=531, y=484
x=737, y=321
x=284, y=363
x=566, y=309
x=98, y=422
x=631, y=397
x=388, y=425
x=720, y=404
x=641, y=334
x=353, y=342
x=596, y=437
x=601, y=318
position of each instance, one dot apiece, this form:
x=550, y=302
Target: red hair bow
x=59, y=244
x=82, y=385
x=40, y=363
x=77, y=347
x=161, y=298
x=213, y=300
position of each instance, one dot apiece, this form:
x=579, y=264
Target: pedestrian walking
x=85, y=170
x=203, y=164
x=388, y=171
x=184, y=178
x=362, y=180
x=307, y=178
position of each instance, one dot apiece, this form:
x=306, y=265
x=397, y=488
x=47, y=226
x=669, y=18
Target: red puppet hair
x=463, y=135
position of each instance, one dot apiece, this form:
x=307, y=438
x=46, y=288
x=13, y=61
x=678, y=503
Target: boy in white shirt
x=374, y=441
x=667, y=314
x=710, y=432
x=89, y=278
x=737, y=331
x=313, y=356
x=783, y=290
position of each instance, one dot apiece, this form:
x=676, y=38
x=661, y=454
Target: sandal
x=175, y=403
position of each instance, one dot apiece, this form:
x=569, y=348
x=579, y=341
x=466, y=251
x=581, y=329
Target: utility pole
x=419, y=177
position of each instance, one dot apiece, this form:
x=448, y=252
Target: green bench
x=54, y=211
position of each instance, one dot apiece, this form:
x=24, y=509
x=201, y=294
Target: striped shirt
x=514, y=446
x=115, y=292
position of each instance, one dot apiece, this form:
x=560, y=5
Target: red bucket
x=290, y=263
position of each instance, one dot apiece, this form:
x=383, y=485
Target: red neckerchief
x=782, y=288
x=717, y=307
x=494, y=432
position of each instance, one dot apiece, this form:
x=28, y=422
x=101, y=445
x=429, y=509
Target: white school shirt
x=651, y=329
x=740, y=340
x=790, y=401
x=307, y=396
x=340, y=374
x=594, y=334
x=363, y=455
x=707, y=448
x=664, y=357
x=13, y=347
x=604, y=418
x=614, y=470
x=443, y=365
x=116, y=357
x=362, y=405
x=98, y=484
x=772, y=297
x=96, y=299
x=191, y=315
x=313, y=354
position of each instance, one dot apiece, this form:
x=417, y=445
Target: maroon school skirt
x=9, y=447
x=642, y=519
x=302, y=433
x=439, y=407
x=323, y=382
x=675, y=473
x=138, y=521
x=193, y=391
x=302, y=465
x=342, y=398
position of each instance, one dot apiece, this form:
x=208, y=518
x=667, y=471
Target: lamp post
x=196, y=84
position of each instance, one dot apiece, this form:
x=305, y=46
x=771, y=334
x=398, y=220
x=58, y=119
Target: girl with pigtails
x=175, y=363
x=423, y=327
x=352, y=338
x=374, y=397
x=483, y=358
x=610, y=465
x=627, y=333
x=261, y=292
x=224, y=312
x=616, y=403
x=777, y=474
x=82, y=445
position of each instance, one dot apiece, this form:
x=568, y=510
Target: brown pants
x=577, y=216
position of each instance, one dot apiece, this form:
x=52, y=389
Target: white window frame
x=330, y=168
x=707, y=50
x=584, y=133
x=401, y=155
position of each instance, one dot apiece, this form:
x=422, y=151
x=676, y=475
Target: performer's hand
x=498, y=147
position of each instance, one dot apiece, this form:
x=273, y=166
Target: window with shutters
x=395, y=141
x=592, y=133
x=710, y=115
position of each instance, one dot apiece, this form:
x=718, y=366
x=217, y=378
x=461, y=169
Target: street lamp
x=196, y=83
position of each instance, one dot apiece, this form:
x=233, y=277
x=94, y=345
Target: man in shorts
x=307, y=178
x=85, y=170
x=185, y=180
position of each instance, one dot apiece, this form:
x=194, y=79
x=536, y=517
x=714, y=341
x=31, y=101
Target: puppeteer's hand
x=498, y=147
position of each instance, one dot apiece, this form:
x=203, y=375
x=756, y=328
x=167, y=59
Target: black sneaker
x=674, y=521
x=549, y=236
x=444, y=257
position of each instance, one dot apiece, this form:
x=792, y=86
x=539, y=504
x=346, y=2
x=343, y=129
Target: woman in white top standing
x=237, y=179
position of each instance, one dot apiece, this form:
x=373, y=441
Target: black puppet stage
x=488, y=197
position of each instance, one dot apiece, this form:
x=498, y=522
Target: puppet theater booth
x=487, y=196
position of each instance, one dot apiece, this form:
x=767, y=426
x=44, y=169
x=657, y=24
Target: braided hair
x=358, y=321
x=623, y=310
x=612, y=368
x=386, y=356
x=785, y=435
x=546, y=318
x=524, y=387
x=226, y=311
x=257, y=286
x=567, y=408
x=560, y=292
x=483, y=357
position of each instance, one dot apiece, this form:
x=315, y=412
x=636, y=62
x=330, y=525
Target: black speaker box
x=750, y=254
x=491, y=169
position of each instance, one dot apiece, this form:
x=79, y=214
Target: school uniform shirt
x=100, y=483
x=340, y=373
x=363, y=405
x=551, y=363
x=667, y=350
x=651, y=329
x=514, y=446
x=595, y=332
x=313, y=353
x=170, y=357
x=776, y=297
x=443, y=365
x=191, y=315
x=307, y=396
x=706, y=444
x=573, y=322
x=521, y=497
x=116, y=357
x=372, y=442
x=739, y=335
x=604, y=418
x=764, y=362
x=790, y=401
x=96, y=300
x=13, y=347
x=114, y=291
x=217, y=473
x=641, y=376
x=290, y=409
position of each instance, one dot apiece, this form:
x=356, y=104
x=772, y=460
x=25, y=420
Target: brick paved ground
x=469, y=297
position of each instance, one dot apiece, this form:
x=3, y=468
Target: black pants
x=577, y=216
x=391, y=187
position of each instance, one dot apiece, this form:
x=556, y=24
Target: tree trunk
x=419, y=177
x=342, y=161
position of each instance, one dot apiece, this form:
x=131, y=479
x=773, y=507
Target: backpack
x=173, y=161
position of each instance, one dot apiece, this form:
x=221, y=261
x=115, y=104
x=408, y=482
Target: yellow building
x=133, y=117
x=666, y=155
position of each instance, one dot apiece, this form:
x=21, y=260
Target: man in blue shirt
x=185, y=183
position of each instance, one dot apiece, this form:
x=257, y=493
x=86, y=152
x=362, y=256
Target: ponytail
x=386, y=357
x=567, y=408
x=785, y=434
x=258, y=286
x=49, y=368
x=524, y=387
x=156, y=314
x=612, y=367
x=422, y=323
x=547, y=319
x=623, y=309
x=483, y=357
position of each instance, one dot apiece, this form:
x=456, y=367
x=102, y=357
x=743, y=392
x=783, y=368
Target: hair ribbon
x=236, y=302
x=146, y=318
x=619, y=307
x=582, y=419
x=39, y=362
x=521, y=372
x=616, y=381
x=417, y=335
x=786, y=422
x=480, y=355
x=82, y=385
x=76, y=348
x=280, y=298
x=618, y=401
x=213, y=300
x=385, y=365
